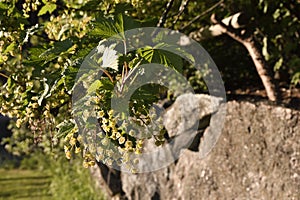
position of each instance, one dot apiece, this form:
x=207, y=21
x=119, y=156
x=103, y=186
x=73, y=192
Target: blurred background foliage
x=40, y=176
x=43, y=43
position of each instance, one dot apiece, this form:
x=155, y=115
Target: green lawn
x=40, y=177
x=24, y=184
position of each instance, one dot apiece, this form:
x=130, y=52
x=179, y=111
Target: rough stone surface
x=256, y=157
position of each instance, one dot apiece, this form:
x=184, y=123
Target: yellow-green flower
x=66, y=148
x=105, y=128
x=121, y=140
x=72, y=141
x=112, y=123
x=101, y=113
x=104, y=120
x=109, y=162
x=68, y=155
x=113, y=136
x=139, y=144
x=105, y=141
x=110, y=113
x=118, y=135
x=128, y=144
x=85, y=164
x=131, y=132
x=77, y=149
x=138, y=151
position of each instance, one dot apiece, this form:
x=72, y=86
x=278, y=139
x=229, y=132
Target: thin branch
x=201, y=15
x=108, y=75
x=182, y=8
x=163, y=18
x=3, y=75
x=126, y=68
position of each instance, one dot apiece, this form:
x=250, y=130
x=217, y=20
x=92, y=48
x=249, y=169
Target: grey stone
x=257, y=156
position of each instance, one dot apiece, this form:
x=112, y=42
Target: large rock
x=256, y=157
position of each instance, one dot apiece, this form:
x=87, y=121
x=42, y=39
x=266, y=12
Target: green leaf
x=296, y=78
x=124, y=23
x=265, y=49
x=10, y=47
x=167, y=58
x=9, y=82
x=276, y=14
x=107, y=84
x=108, y=27
x=94, y=86
x=56, y=50
x=65, y=128
x=104, y=28
x=70, y=74
x=278, y=64
x=3, y=6
x=11, y=10
x=109, y=57
x=48, y=7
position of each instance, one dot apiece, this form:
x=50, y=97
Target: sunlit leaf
x=48, y=7
x=94, y=86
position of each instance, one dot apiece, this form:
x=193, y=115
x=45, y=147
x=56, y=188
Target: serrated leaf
x=129, y=23
x=65, y=128
x=110, y=59
x=167, y=58
x=106, y=56
x=48, y=7
x=56, y=50
x=108, y=27
x=104, y=28
x=34, y=57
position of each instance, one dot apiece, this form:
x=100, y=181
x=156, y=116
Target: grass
x=24, y=184
x=43, y=177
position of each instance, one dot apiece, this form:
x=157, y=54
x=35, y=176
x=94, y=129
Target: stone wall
x=256, y=157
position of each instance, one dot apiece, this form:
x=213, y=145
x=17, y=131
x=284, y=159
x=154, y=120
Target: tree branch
x=258, y=59
x=182, y=8
x=108, y=75
x=201, y=15
x=163, y=18
x=3, y=75
x=226, y=28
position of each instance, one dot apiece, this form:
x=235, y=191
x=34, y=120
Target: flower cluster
x=114, y=141
x=29, y=6
x=72, y=142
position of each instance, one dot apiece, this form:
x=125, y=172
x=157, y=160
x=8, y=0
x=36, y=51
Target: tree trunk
x=262, y=68
x=233, y=26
